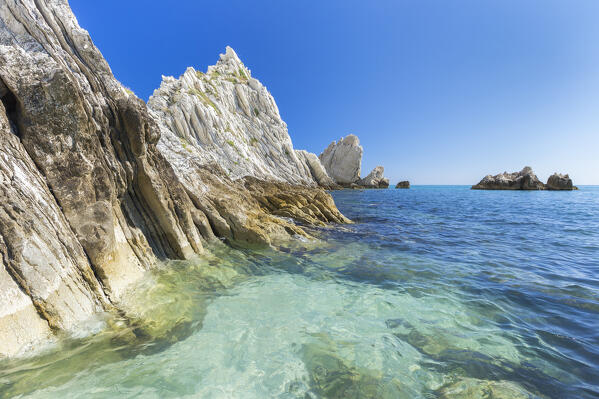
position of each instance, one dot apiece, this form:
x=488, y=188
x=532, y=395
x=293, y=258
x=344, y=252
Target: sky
x=439, y=92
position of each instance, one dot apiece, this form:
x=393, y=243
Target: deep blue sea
x=434, y=292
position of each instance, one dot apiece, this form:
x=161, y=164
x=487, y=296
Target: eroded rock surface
x=375, y=179
x=232, y=120
x=558, y=181
x=88, y=201
x=343, y=160
x=523, y=180
x=403, y=184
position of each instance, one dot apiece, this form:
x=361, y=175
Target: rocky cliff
x=89, y=201
x=231, y=119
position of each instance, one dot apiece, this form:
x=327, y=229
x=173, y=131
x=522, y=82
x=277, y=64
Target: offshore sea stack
x=342, y=161
x=524, y=180
x=95, y=187
x=403, y=184
x=375, y=179
x=560, y=182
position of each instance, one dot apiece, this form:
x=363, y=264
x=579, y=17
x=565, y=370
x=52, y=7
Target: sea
x=433, y=292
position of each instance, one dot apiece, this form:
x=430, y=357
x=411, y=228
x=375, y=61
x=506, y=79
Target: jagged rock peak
x=230, y=64
x=228, y=118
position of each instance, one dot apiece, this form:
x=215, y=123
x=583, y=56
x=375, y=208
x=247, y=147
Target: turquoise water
x=435, y=292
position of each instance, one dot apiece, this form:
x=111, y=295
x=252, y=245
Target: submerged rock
x=375, y=179
x=560, y=182
x=523, y=180
x=403, y=184
x=474, y=388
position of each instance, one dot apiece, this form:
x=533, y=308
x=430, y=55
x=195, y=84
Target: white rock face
x=375, y=179
x=225, y=116
x=315, y=168
x=343, y=160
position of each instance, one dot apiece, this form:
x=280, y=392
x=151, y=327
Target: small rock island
x=524, y=180
x=403, y=184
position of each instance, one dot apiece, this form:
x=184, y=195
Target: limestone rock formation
x=88, y=202
x=375, y=179
x=403, y=184
x=523, y=180
x=343, y=160
x=560, y=182
x=315, y=168
x=232, y=120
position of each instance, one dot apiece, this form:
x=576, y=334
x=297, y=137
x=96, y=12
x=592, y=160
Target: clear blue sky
x=439, y=92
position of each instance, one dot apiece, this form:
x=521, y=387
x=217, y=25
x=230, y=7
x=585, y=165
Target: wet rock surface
x=403, y=184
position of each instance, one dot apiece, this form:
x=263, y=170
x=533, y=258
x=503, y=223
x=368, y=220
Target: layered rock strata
x=88, y=201
x=231, y=119
x=524, y=180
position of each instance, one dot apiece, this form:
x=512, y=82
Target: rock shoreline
x=96, y=186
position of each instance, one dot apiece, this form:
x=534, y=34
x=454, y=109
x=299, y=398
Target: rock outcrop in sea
x=95, y=188
x=403, y=184
x=558, y=181
x=342, y=161
x=375, y=179
x=524, y=180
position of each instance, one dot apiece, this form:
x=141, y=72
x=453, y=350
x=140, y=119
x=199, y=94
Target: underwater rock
x=558, y=181
x=473, y=388
x=403, y=184
x=523, y=180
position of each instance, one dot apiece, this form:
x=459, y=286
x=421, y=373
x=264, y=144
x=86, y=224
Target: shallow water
x=435, y=292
